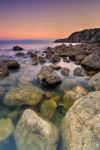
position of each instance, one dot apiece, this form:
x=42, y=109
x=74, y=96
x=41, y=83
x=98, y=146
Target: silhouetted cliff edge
x=84, y=36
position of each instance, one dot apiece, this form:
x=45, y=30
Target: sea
x=27, y=74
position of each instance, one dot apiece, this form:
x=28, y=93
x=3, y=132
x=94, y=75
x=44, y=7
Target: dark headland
x=84, y=36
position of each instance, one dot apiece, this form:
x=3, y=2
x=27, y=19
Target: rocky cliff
x=84, y=36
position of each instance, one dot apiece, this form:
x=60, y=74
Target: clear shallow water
x=27, y=74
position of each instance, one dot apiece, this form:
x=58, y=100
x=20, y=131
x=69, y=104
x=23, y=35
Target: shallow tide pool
x=27, y=75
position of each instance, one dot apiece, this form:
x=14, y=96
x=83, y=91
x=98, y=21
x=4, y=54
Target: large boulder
x=3, y=70
x=6, y=129
x=47, y=75
x=29, y=95
x=35, y=133
x=92, y=61
x=17, y=48
x=95, y=82
x=80, y=128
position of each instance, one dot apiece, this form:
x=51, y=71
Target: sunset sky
x=29, y=19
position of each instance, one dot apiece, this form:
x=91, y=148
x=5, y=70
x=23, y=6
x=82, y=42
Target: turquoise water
x=27, y=74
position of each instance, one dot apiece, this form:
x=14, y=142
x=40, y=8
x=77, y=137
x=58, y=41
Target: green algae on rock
x=68, y=99
x=29, y=95
x=71, y=95
x=35, y=133
x=6, y=129
x=48, y=108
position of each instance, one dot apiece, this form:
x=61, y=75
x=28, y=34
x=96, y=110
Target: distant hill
x=84, y=36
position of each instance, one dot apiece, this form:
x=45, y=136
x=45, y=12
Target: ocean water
x=27, y=75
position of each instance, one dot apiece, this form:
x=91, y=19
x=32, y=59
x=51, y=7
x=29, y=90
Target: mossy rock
x=48, y=108
x=49, y=95
x=68, y=99
x=52, y=95
x=6, y=129
x=19, y=96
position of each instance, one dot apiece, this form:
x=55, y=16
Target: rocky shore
x=35, y=108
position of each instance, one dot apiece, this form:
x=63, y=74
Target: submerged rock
x=81, y=125
x=68, y=99
x=95, y=82
x=2, y=91
x=6, y=129
x=17, y=48
x=51, y=95
x=48, y=108
x=29, y=95
x=47, y=75
x=3, y=70
x=35, y=133
x=71, y=96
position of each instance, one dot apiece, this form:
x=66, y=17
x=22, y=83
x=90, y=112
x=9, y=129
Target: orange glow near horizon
x=50, y=21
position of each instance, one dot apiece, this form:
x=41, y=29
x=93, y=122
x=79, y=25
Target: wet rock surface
x=48, y=76
x=29, y=95
x=82, y=123
x=92, y=61
x=95, y=82
x=35, y=133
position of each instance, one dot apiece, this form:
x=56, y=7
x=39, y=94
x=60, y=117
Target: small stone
x=78, y=71
x=65, y=71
